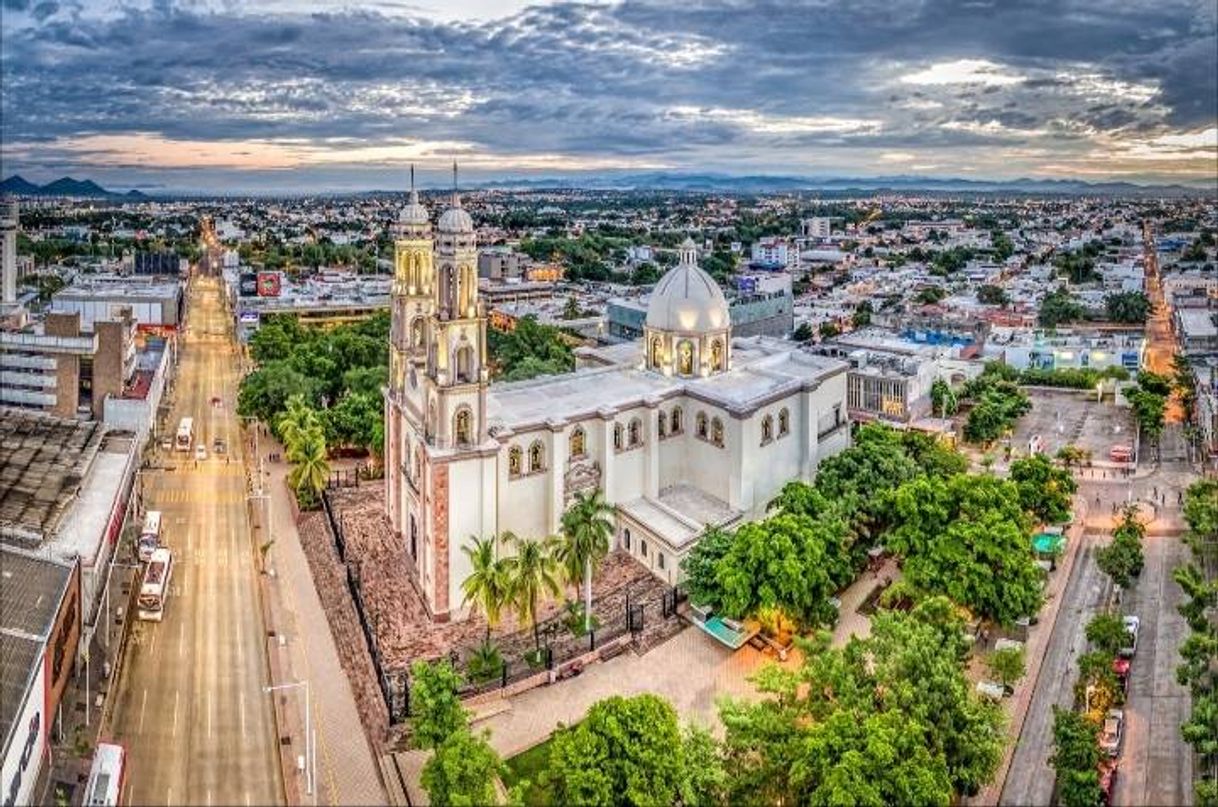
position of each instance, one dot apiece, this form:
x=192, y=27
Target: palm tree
x=586, y=529
x=295, y=424
x=312, y=467
x=487, y=587
x=532, y=573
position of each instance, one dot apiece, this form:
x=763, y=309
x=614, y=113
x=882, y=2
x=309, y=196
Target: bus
x=1121, y=453
x=186, y=435
x=155, y=588
x=150, y=535
x=107, y=776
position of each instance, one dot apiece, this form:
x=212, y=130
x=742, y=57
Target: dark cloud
x=575, y=79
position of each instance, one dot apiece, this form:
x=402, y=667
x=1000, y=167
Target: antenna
x=412, y=177
x=454, y=176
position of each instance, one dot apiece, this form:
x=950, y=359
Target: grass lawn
x=531, y=765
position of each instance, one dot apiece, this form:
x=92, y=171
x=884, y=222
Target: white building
x=683, y=429
x=775, y=252
x=816, y=227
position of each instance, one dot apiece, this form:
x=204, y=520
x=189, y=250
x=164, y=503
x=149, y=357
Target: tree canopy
x=1045, y=490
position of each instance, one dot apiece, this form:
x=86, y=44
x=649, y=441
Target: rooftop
x=43, y=461
x=1197, y=322
x=33, y=589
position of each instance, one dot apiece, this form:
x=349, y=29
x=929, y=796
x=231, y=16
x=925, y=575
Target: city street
x=191, y=708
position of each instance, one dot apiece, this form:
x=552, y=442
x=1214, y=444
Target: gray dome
x=414, y=213
x=455, y=219
x=687, y=299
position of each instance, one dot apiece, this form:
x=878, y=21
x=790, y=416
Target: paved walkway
x=691, y=670
x=347, y=772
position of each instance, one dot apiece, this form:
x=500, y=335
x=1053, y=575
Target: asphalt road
x=191, y=709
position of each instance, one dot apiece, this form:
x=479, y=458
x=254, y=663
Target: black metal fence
x=506, y=660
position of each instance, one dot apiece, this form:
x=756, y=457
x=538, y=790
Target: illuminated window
x=464, y=427
x=515, y=460
x=537, y=457
x=717, y=432
x=577, y=442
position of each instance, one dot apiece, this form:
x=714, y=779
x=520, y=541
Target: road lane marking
x=209, y=714
x=242, y=698
x=143, y=706
x=209, y=796
x=181, y=638
x=175, y=712
x=169, y=797
x=152, y=645
x=247, y=799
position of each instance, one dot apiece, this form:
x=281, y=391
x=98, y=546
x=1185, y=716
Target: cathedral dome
x=413, y=214
x=687, y=299
x=455, y=219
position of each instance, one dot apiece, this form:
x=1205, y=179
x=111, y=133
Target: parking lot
x=1072, y=417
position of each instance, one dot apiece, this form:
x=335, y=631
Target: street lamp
x=310, y=750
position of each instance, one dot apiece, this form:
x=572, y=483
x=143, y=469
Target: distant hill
x=725, y=183
x=65, y=186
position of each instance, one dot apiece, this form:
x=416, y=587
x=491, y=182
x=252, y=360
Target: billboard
x=248, y=318
x=248, y=284
x=268, y=284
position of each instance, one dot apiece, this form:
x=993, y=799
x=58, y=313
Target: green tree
x=1044, y=491
x=1007, y=665
x=943, y=401
x=264, y=393
x=586, y=529
x=533, y=573
x=700, y=567
x=626, y=751
x=829, y=329
x=992, y=295
x=437, y=711
x=1059, y=306
x=463, y=770
x=1106, y=632
x=487, y=588
x=1128, y=307
x=704, y=779
x=804, y=333
x=1076, y=755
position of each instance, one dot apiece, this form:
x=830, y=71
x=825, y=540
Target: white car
x=1132, y=623
x=1112, y=732
x=200, y=452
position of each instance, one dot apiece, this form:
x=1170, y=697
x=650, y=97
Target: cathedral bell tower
x=413, y=278
x=456, y=370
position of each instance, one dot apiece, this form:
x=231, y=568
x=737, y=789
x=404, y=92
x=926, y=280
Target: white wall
x=23, y=759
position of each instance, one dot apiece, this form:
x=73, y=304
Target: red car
x=1108, y=774
x=1120, y=668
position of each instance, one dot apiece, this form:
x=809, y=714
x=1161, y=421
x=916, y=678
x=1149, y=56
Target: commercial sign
x=248, y=318
x=268, y=284
x=248, y=285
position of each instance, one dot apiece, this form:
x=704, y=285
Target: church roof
x=456, y=219
x=413, y=213
x=687, y=299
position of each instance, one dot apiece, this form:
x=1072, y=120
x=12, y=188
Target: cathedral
x=685, y=429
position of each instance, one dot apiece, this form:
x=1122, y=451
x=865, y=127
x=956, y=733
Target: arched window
x=685, y=358
x=717, y=432
x=657, y=351
x=463, y=427
x=663, y=424
x=717, y=355
x=767, y=429
x=465, y=364
x=784, y=422
x=700, y=425
x=626, y=538
x=636, y=432
x=678, y=420
x=515, y=460
x=618, y=436
x=537, y=457
x=416, y=332
x=576, y=443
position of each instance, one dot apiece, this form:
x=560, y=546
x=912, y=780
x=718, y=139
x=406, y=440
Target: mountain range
x=65, y=186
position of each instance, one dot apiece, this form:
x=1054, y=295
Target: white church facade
x=685, y=429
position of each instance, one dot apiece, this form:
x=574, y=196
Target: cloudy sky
x=246, y=95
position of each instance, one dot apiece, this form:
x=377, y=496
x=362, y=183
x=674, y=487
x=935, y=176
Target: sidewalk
x=347, y=772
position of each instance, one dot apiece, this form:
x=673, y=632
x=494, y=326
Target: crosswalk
x=156, y=498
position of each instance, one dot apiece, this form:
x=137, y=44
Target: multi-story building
x=775, y=252
x=817, y=227
x=502, y=263
x=1024, y=348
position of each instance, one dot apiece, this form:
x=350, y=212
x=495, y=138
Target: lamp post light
x=310, y=750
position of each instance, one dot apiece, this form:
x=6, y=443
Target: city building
x=776, y=253
x=160, y=263
x=1077, y=348
x=1196, y=330
x=684, y=429
x=154, y=305
x=39, y=635
x=816, y=227
x=502, y=263
x=67, y=486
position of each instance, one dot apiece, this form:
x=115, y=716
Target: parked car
x=1132, y=623
x=991, y=690
x=167, y=444
x=1120, y=668
x=1108, y=775
x=1112, y=732
x=200, y=452
x=218, y=446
